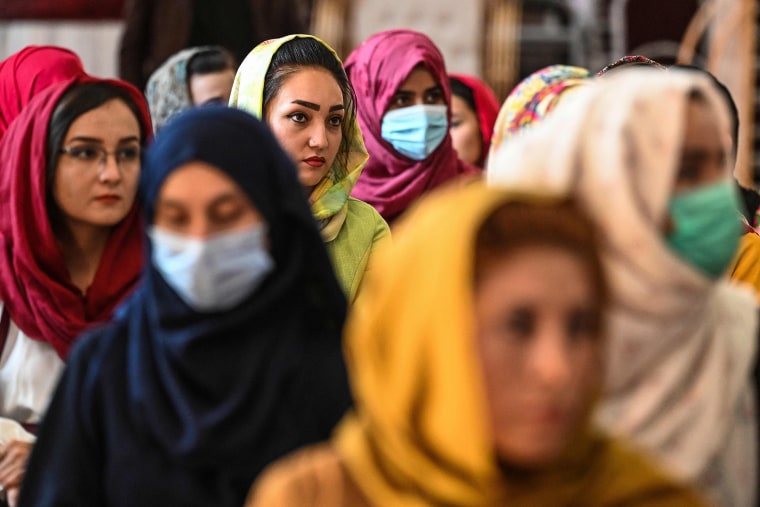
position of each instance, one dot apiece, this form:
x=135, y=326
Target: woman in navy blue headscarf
x=229, y=354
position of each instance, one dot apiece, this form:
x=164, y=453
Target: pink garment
x=391, y=181
x=35, y=284
x=28, y=72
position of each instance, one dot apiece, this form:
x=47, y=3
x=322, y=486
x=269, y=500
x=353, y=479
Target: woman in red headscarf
x=28, y=72
x=70, y=239
x=474, y=109
x=404, y=108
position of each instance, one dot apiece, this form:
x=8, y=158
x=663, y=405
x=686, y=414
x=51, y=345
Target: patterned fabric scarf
x=533, y=98
x=329, y=199
x=631, y=60
x=168, y=91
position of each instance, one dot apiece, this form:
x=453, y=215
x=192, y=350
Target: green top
x=350, y=251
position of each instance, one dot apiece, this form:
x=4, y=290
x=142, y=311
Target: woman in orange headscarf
x=475, y=361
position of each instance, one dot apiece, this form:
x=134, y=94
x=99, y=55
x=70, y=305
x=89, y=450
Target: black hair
x=729, y=100
x=464, y=92
x=78, y=100
x=308, y=52
x=208, y=61
x=750, y=197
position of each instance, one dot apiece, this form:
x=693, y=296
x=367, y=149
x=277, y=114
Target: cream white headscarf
x=682, y=346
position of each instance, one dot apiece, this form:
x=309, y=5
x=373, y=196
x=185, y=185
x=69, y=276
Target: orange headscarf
x=419, y=433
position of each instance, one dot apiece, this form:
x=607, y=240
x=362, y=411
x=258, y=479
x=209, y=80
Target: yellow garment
x=746, y=267
x=419, y=434
x=316, y=477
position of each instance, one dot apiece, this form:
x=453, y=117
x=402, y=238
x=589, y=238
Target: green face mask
x=707, y=226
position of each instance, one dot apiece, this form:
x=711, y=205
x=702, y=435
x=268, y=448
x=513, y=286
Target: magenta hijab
x=28, y=72
x=391, y=181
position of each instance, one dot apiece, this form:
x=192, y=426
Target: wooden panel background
x=61, y=9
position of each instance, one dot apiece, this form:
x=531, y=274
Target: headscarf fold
x=167, y=90
x=28, y=72
x=238, y=388
x=486, y=108
x=533, y=98
x=35, y=283
x=391, y=181
x=329, y=199
x=682, y=347
x=412, y=341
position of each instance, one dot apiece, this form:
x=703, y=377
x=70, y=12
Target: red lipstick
x=315, y=161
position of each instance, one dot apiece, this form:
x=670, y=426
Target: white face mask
x=214, y=274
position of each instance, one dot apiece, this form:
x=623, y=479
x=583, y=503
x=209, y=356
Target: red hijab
x=35, y=285
x=28, y=72
x=391, y=181
x=486, y=108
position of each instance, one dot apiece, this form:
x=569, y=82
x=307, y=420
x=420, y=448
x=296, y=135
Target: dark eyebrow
x=94, y=140
x=310, y=105
x=403, y=92
x=212, y=100
x=232, y=196
x=436, y=88
x=168, y=203
x=692, y=153
x=221, y=199
x=337, y=107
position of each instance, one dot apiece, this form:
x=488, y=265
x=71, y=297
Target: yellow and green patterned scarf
x=329, y=199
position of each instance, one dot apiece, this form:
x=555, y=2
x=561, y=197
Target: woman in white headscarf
x=648, y=156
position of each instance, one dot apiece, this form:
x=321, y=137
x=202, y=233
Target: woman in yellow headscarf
x=475, y=361
x=297, y=85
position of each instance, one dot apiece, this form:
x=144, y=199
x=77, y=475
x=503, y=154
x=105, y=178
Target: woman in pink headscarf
x=28, y=72
x=404, y=108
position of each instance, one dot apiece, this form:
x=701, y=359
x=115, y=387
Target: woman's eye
x=400, y=100
x=227, y=214
x=582, y=324
x=520, y=324
x=172, y=220
x=85, y=152
x=689, y=173
x=336, y=121
x=435, y=97
x=129, y=154
x=298, y=117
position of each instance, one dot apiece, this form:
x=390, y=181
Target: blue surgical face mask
x=707, y=226
x=416, y=131
x=212, y=274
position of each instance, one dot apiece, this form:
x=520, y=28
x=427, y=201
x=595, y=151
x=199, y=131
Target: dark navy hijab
x=241, y=387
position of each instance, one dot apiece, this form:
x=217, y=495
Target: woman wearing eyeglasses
x=70, y=240
x=228, y=355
